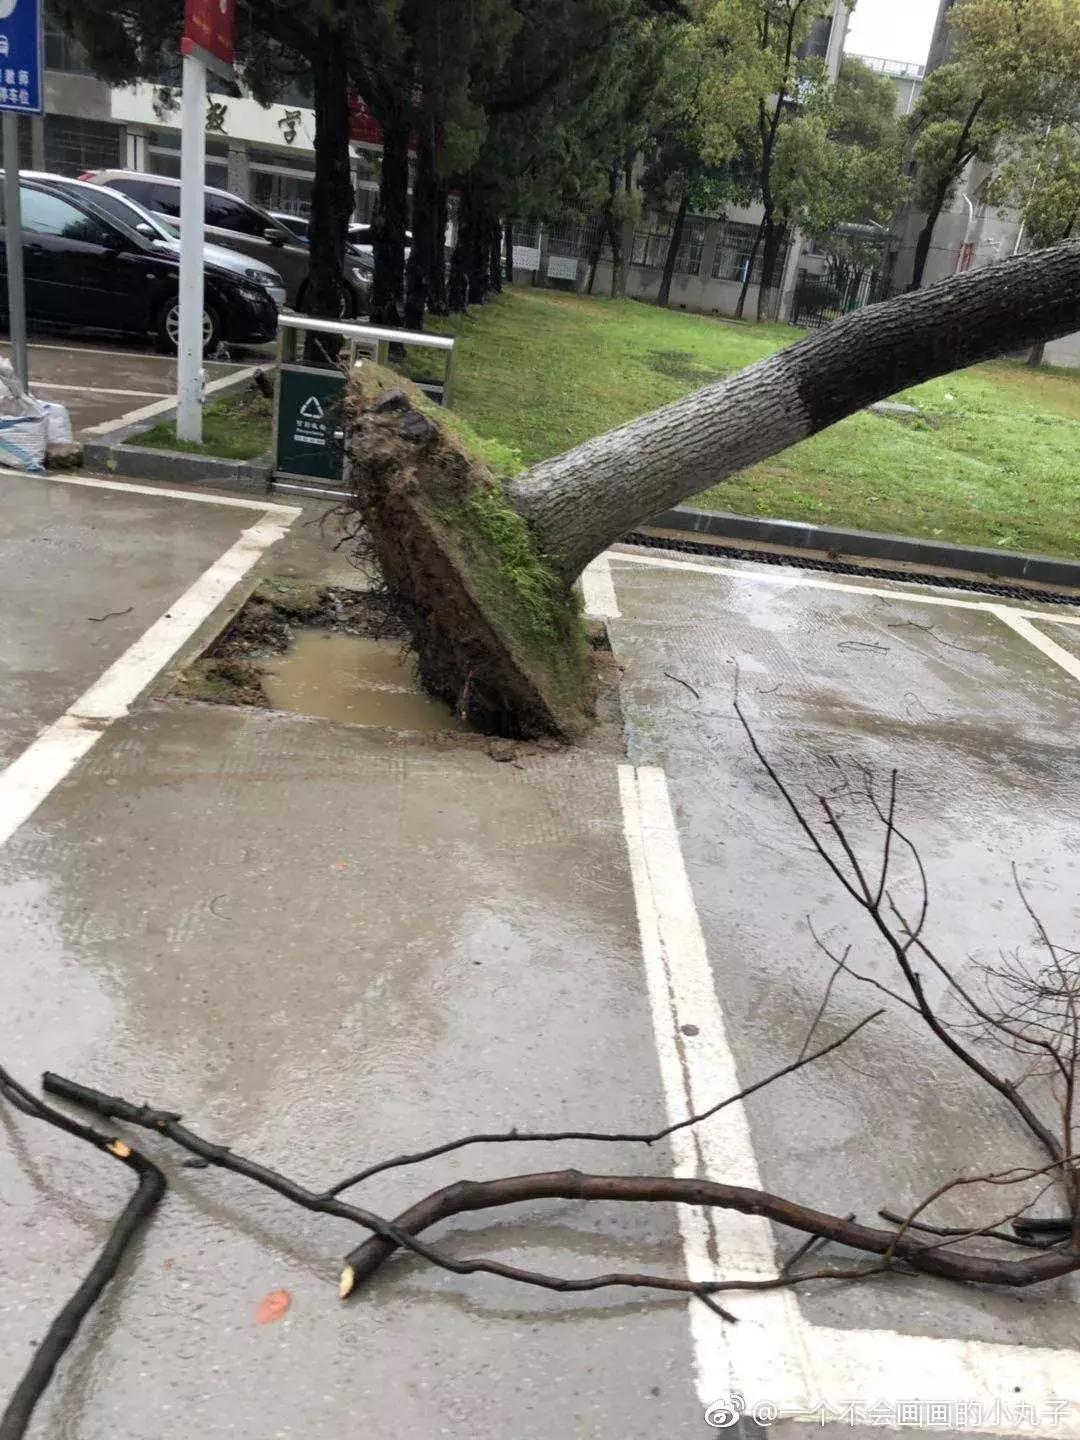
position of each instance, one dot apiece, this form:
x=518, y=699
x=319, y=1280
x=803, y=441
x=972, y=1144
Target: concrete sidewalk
x=326, y=944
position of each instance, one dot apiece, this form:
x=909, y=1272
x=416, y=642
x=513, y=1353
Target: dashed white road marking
x=773, y=1355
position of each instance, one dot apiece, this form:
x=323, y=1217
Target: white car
x=161, y=235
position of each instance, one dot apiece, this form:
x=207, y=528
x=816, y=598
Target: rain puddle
x=355, y=679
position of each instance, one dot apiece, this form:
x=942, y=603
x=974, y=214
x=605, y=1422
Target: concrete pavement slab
x=979, y=726
x=70, y=556
x=324, y=946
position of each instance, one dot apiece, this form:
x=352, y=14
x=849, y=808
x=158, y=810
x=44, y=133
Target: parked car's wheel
x=346, y=301
x=167, y=334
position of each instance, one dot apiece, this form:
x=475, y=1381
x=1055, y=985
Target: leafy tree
x=749, y=102
x=839, y=161
x=1014, y=74
x=335, y=44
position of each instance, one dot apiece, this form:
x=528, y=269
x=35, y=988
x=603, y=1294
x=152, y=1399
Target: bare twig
x=148, y=1192
x=647, y=1137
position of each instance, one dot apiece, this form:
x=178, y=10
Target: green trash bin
x=308, y=424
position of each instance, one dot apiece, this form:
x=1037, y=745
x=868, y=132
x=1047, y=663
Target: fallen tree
x=483, y=561
x=1014, y=1027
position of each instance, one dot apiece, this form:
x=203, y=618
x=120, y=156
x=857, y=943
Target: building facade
x=265, y=155
x=714, y=256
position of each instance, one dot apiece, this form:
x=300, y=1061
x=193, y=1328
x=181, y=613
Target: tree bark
x=331, y=191
x=463, y=257
x=479, y=272
x=426, y=255
x=749, y=275
x=508, y=231
x=922, y=244
x=1035, y=359
x=579, y=503
x=772, y=240
x=391, y=222
x=675, y=240
x=495, y=257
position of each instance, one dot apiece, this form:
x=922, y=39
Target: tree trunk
x=922, y=244
x=462, y=258
x=748, y=277
x=508, y=232
x=331, y=191
x=771, y=242
x=675, y=240
x=495, y=257
x=477, y=257
x=437, y=301
x=579, y=503
x=391, y=222
x=1038, y=351
x=425, y=257
x=514, y=659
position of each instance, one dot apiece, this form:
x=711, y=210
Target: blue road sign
x=22, y=84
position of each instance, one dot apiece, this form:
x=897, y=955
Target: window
x=732, y=257
x=127, y=211
x=651, y=247
x=62, y=53
x=50, y=215
x=72, y=146
x=226, y=213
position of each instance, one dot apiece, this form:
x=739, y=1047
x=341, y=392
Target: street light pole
x=191, y=377
x=14, y=246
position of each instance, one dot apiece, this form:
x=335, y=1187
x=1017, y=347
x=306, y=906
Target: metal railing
x=372, y=340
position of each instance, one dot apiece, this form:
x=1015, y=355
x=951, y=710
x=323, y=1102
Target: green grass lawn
x=996, y=461
x=236, y=427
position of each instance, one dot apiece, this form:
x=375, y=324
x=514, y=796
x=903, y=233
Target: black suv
x=248, y=228
x=88, y=270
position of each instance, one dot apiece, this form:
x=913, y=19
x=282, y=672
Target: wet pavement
x=102, y=382
x=328, y=943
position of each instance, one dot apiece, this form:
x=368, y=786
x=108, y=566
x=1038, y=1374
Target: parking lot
x=105, y=384
x=326, y=943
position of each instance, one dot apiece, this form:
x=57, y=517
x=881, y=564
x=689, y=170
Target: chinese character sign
x=21, y=49
x=209, y=33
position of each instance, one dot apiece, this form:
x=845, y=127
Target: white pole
x=16, y=287
x=190, y=376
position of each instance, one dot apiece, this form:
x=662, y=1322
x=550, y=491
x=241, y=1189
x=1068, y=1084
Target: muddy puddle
x=353, y=678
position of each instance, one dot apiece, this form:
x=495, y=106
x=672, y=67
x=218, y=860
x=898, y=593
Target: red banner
x=209, y=34
x=363, y=127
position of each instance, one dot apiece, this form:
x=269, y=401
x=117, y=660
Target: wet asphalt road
x=326, y=944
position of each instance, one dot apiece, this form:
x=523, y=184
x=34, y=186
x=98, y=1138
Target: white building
x=266, y=155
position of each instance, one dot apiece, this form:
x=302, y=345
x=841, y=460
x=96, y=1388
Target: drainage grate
x=798, y=562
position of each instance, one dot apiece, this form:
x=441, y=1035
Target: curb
x=110, y=455
x=867, y=544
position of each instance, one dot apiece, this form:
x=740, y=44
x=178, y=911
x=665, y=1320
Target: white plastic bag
x=23, y=441
x=58, y=429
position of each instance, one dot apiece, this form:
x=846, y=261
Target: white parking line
x=597, y=590
x=288, y=513
x=773, y=1355
x=112, y=354
x=97, y=390
x=34, y=774
x=147, y=412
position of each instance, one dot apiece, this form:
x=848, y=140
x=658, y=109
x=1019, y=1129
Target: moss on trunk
x=498, y=635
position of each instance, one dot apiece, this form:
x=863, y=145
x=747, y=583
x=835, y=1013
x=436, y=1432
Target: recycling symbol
x=311, y=409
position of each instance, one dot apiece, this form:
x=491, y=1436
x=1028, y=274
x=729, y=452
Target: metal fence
x=821, y=299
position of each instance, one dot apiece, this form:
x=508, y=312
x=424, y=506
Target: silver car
x=160, y=234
